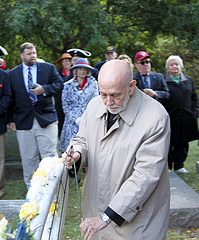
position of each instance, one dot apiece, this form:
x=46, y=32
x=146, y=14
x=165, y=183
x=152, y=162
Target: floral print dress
x=74, y=103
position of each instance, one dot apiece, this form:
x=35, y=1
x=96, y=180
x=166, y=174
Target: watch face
x=105, y=218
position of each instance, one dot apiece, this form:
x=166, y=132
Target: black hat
x=79, y=53
x=110, y=49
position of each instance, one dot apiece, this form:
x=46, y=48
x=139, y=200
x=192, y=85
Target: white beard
x=118, y=109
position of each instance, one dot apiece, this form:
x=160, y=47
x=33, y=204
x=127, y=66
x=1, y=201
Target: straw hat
x=63, y=56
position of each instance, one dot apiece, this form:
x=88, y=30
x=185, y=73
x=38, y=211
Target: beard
x=31, y=62
x=117, y=109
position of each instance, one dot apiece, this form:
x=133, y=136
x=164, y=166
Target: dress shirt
x=147, y=79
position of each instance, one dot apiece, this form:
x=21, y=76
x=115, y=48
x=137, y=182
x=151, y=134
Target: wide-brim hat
x=141, y=55
x=63, y=56
x=79, y=53
x=81, y=62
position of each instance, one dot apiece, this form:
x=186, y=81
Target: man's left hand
x=38, y=90
x=150, y=92
x=90, y=226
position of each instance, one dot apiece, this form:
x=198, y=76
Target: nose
x=109, y=101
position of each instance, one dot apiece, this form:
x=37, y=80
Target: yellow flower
x=54, y=208
x=28, y=210
x=41, y=172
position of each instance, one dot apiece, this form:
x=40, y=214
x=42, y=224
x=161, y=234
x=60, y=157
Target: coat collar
x=129, y=114
x=183, y=77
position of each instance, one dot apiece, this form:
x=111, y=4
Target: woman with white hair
x=183, y=111
x=76, y=95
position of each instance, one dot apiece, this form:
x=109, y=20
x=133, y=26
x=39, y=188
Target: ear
x=132, y=86
x=21, y=56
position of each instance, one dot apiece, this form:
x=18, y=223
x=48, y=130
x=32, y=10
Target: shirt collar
x=26, y=67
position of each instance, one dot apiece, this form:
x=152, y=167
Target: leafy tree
x=157, y=26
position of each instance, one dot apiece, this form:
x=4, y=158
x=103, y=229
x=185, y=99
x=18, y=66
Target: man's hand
x=12, y=126
x=150, y=92
x=67, y=159
x=38, y=90
x=90, y=226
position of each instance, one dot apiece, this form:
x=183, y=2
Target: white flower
x=50, y=164
x=3, y=224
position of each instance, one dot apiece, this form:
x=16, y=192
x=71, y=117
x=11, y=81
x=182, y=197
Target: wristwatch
x=105, y=218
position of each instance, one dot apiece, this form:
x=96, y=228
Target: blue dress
x=74, y=104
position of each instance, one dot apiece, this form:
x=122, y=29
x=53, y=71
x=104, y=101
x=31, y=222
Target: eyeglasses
x=66, y=60
x=143, y=62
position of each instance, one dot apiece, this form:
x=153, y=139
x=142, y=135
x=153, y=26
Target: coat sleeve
x=163, y=93
x=194, y=104
x=55, y=83
x=5, y=93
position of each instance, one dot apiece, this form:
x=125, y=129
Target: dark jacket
x=182, y=108
x=158, y=84
x=22, y=111
x=99, y=65
x=5, y=98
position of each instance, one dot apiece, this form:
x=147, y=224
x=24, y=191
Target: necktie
x=111, y=120
x=32, y=96
x=145, y=81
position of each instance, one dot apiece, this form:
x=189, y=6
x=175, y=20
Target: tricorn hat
x=79, y=53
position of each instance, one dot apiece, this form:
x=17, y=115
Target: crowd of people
x=128, y=129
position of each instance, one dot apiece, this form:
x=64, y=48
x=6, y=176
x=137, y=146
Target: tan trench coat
x=127, y=168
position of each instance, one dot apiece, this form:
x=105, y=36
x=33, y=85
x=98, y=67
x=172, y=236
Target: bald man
x=123, y=140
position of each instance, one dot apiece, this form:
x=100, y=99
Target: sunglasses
x=143, y=62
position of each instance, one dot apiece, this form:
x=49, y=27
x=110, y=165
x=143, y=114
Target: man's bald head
x=114, y=71
x=116, y=85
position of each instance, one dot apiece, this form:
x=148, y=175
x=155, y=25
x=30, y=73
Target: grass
x=16, y=190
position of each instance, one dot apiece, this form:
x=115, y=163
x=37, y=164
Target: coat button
x=138, y=208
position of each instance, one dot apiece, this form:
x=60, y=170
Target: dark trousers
x=61, y=117
x=177, y=155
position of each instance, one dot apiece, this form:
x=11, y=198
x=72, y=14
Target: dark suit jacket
x=158, y=84
x=22, y=111
x=99, y=65
x=5, y=98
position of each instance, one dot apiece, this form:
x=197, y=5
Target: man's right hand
x=12, y=126
x=67, y=160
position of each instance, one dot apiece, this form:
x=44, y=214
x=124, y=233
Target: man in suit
x=5, y=99
x=32, y=113
x=151, y=83
x=110, y=54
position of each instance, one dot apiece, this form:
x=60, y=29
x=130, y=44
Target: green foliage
x=161, y=27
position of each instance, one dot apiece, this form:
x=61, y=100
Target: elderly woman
x=75, y=97
x=182, y=108
x=64, y=63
